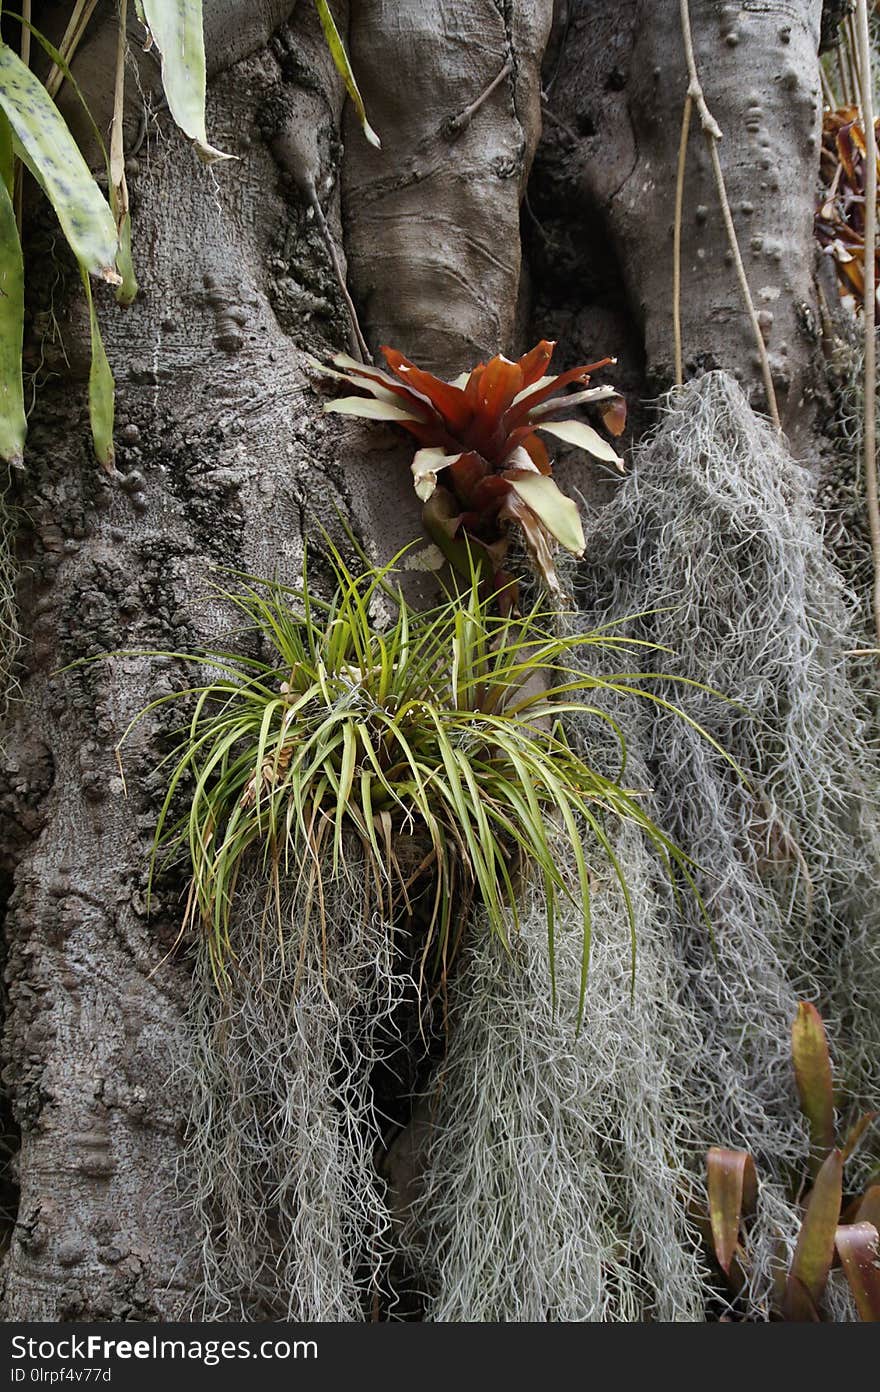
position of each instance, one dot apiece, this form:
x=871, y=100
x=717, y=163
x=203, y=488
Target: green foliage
x=37, y=133
x=44, y=144
x=13, y=424
x=177, y=30
x=343, y=66
x=830, y=1229
x=440, y=731
x=102, y=392
x=98, y=233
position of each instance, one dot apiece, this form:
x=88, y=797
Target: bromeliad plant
x=833, y=1228
x=481, y=464
x=347, y=735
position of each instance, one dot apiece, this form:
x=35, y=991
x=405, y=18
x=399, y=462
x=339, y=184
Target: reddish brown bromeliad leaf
x=840, y=218
x=732, y=1186
x=814, y=1253
x=857, y=1247
x=481, y=465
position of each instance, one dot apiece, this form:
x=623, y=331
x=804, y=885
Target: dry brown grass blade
x=76, y=27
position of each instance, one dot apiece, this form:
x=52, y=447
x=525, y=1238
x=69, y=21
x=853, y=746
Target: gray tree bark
x=608, y=165
x=225, y=458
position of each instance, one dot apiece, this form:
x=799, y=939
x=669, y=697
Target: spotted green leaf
x=343, y=65
x=176, y=28
x=44, y=144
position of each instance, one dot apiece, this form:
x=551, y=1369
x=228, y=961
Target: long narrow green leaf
x=177, y=30
x=13, y=422
x=388, y=732
x=101, y=389
x=44, y=143
x=7, y=155
x=340, y=58
x=127, y=291
x=343, y=792
x=812, y=1070
x=814, y=1252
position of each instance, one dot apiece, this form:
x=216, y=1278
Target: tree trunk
x=607, y=173
x=226, y=459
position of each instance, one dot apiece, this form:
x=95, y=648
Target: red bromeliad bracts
x=481, y=465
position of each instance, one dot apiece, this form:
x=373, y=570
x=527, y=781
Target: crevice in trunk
x=10, y=1131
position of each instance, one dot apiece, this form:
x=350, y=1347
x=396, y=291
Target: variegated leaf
x=176, y=28
x=557, y=513
x=43, y=142
x=581, y=436
x=368, y=408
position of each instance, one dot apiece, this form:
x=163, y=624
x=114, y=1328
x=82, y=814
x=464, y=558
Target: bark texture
x=432, y=221
x=222, y=451
x=224, y=458
x=617, y=83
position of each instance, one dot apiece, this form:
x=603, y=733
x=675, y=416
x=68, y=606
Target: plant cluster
x=481, y=464
x=422, y=733
x=834, y=1228
x=34, y=134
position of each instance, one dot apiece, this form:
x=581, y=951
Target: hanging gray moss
x=558, y=1168
x=554, y=1183
x=841, y=488
x=279, y=1169
x=716, y=526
